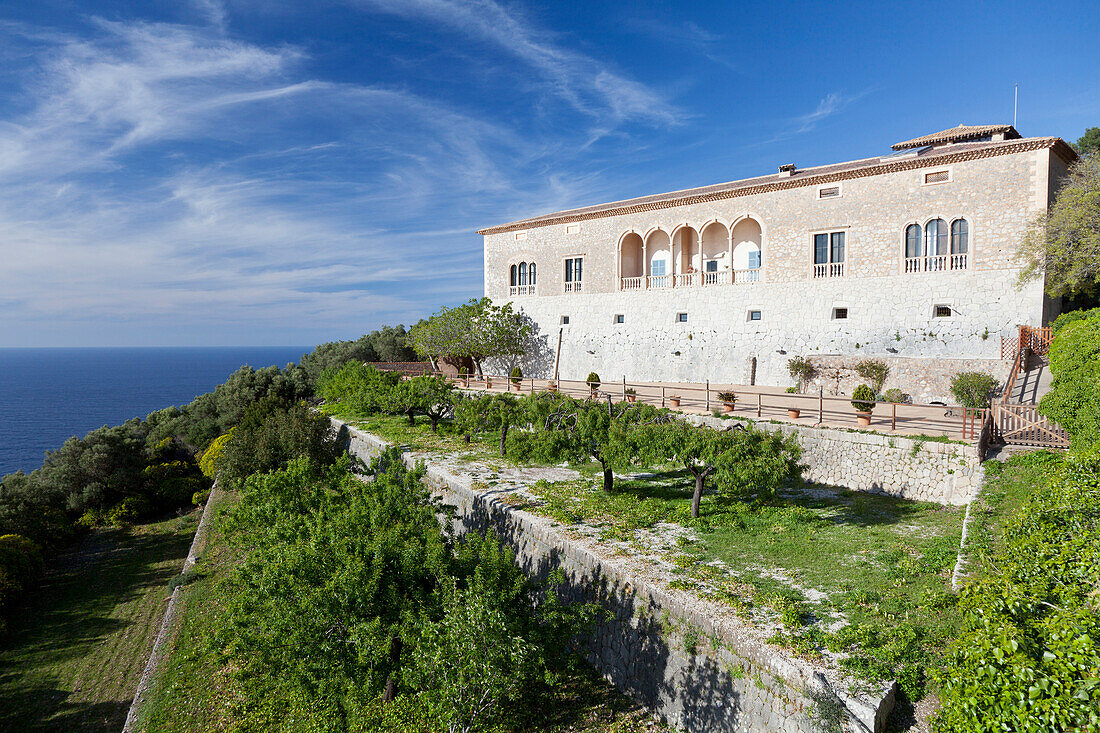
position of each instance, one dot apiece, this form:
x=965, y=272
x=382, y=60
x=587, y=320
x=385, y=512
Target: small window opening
x=755, y=315
x=565, y=320
x=840, y=314
x=682, y=317
x=620, y=318
x=937, y=177
x=829, y=192
x=943, y=311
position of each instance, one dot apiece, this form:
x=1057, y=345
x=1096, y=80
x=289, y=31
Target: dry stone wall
x=909, y=468
x=691, y=661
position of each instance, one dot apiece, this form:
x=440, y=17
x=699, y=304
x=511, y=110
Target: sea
x=50, y=395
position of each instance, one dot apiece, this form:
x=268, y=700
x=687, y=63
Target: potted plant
x=863, y=399
x=674, y=400
x=551, y=386
x=631, y=394
x=593, y=383
x=517, y=377
x=729, y=401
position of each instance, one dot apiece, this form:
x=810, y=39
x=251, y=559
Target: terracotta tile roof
x=958, y=134
x=909, y=160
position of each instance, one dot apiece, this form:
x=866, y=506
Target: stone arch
x=631, y=255
x=685, y=248
x=747, y=244
x=658, y=248
x=715, y=245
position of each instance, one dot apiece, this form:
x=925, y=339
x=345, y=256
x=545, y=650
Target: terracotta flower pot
x=728, y=406
x=863, y=418
x=793, y=413
x=551, y=387
x=674, y=401
x=594, y=393
x=631, y=398
x=517, y=386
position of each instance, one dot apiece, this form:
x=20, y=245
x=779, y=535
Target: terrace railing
x=829, y=269
x=935, y=263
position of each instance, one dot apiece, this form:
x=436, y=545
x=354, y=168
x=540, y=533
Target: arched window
x=531, y=274
x=522, y=274
x=935, y=238
x=960, y=237
x=912, y=241
x=512, y=279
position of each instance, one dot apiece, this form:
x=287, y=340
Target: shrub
x=728, y=397
x=593, y=380
x=973, y=389
x=792, y=390
x=863, y=399
x=211, y=457
x=127, y=511
x=1074, y=398
x=199, y=497
x=802, y=369
x=1072, y=317
x=630, y=391
x=1027, y=657
x=21, y=567
x=896, y=396
x=517, y=375
x=874, y=371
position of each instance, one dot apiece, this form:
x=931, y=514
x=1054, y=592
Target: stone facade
x=693, y=662
x=890, y=308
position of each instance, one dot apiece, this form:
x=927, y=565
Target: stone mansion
x=909, y=256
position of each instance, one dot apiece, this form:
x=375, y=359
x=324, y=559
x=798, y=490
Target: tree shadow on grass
x=66, y=621
x=859, y=508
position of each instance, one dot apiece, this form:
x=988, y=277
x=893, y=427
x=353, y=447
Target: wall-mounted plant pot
x=793, y=413
x=674, y=401
x=863, y=418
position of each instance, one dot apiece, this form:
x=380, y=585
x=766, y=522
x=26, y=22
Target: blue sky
x=192, y=172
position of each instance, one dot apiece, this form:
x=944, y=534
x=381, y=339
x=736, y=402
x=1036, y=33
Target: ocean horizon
x=48, y=395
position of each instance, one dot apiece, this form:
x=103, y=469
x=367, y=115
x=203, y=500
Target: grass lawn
x=77, y=647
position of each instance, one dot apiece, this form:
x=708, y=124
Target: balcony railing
x=829, y=269
x=690, y=279
x=573, y=287
x=935, y=263
x=521, y=290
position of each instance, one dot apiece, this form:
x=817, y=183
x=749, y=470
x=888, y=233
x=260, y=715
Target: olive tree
x=476, y=330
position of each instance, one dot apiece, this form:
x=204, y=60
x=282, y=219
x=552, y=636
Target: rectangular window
x=565, y=320
x=574, y=269
x=657, y=268
x=840, y=314
x=620, y=318
x=829, y=192
x=712, y=265
x=942, y=311
x=821, y=249
x=682, y=317
x=836, y=246
x=937, y=177
x=754, y=260
x=755, y=315
x=572, y=228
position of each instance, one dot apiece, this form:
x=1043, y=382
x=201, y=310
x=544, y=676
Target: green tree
x=1064, y=244
x=1089, y=142
x=476, y=330
x=973, y=389
x=697, y=449
x=1074, y=397
x=489, y=412
x=271, y=435
x=874, y=371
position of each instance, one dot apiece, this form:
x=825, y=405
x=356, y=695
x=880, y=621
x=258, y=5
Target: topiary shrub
x=863, y=398
x=593, y=380
x=973, y=389
x=874, y=371
x=517, y=375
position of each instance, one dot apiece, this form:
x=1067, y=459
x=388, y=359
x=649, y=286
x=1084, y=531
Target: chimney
x=786, y=170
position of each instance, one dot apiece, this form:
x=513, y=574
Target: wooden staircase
x=1015, y=414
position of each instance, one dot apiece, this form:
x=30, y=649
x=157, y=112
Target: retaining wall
x=910, y=468
x=692, y=661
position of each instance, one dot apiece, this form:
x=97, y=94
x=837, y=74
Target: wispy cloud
x=587, y=83
x=827, y=107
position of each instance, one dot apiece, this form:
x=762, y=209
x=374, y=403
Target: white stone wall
x=887, y=317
